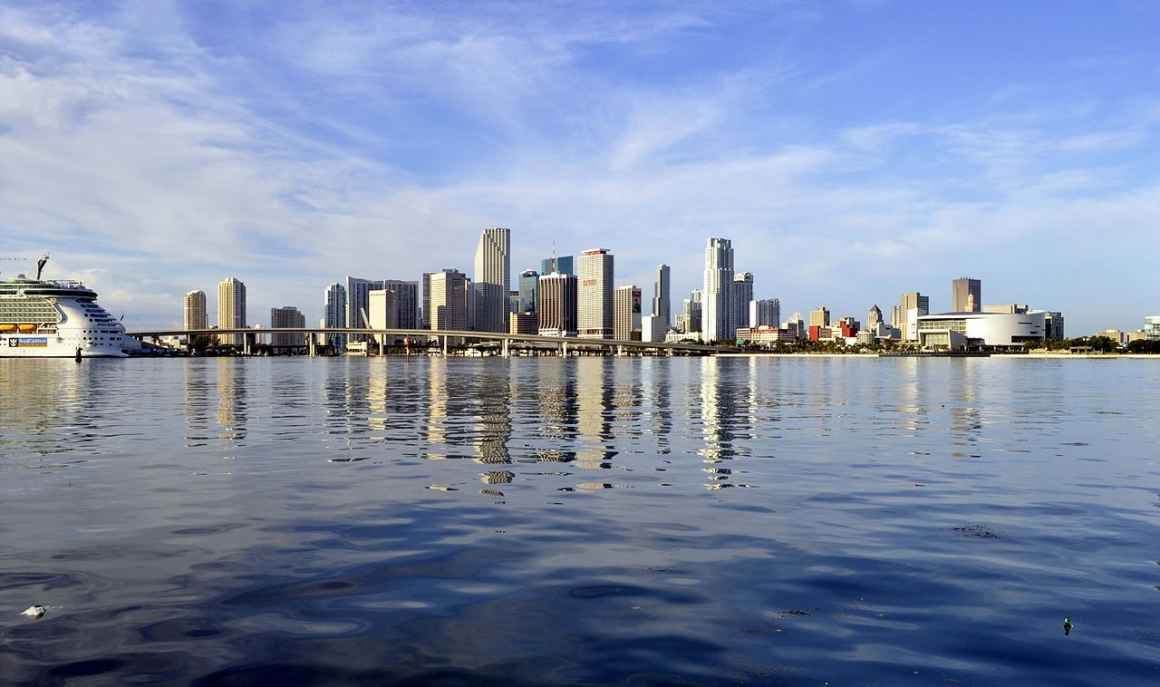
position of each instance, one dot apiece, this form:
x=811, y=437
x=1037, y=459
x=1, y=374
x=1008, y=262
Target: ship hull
x=41, y=346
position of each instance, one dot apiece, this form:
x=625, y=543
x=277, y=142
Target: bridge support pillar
x=507, y=348
x=445, y=338
x=247, y=347
x=563, y=349
x=620, y=351
x=312, y=345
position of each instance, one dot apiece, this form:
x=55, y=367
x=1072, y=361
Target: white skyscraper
x=492, y=281
x=195, y=313
x=717, y=315
x=596, y=275
x=662, y=305
x=231, y=309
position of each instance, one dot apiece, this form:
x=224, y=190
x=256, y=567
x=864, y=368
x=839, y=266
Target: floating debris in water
x=442, y=487
x=976, y=531
x=1067, y=626
x=35, y=612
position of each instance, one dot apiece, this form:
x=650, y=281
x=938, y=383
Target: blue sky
x=852, y=150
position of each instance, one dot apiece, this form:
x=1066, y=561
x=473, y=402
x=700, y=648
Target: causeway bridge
x=444, y=338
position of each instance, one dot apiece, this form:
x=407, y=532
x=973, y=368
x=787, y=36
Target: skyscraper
x=357, y=301
x=967, y=295
x=194, y=311
x=556, y=305
x=383, y=313
x=406, y=296
x=764, y=313
x=561, y=264
x=492, y=280
x=905, y=315
x=717, y=312
x=334, y=313
x=742, y=294
x=626, y=321
x=873, y=317
x=693, y=314
x=231, y=309
x=820, y=317
x=596, y=277
x=529, y=287
x=449, y=300
x=662, y=303
x=287, y=316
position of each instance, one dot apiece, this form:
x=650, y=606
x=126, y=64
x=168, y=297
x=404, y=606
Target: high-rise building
x=406, y=301
x=557, y=304
x=820, y=317
x=523, y=323
x=764, y=313
x=195, y=316
x=905, y=315
x=967, y=295
x=492, y=280
x=596, y=276
x=231, y=309
x=357, y=300
x=717, y=312
x=1053, y=325
x=692, y=314
x=873, y=317
x=513, y=302
x=652, y=330
x=383, y=313
x=742, y=294
x=450, y=300
x=334, y=313
x=1152, y=327
x=662, y=303
x=562, y=264
x=529, y=285
x=284, y=317
x=626, y=321
x=428, y=320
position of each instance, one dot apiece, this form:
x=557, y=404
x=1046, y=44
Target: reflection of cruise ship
x=55, y=319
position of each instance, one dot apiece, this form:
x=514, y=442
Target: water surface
x=584, y=521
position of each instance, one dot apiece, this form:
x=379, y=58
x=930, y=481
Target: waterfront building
x=523, y=323
x=428, y=321
x=764, y=313
x=820, y=317
x=1053, y=325
x=966, y=295
x=557, y=264
x=662, y=303
x=450, y=300
x=848, y=326
x=765, y=336
x=406, y=297
x=742, y=295
x=529, y=286
x=492, y=281
x=905, y=315
x=596, y=306
x=195, y=316
x=627, y=320
x=873, y=317
x=287, y=317
x=513, y=303
x=996, y=331
x=652, y=329
x=231, y=310
x=717, y=311
x=357, y=299
x=334, y=313
x=557, y=304
x=1152, y=327
x=693, y=313
x=1006, y=309
x=383, y=313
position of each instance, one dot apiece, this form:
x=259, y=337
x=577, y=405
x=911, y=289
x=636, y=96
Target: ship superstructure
x=55, y=319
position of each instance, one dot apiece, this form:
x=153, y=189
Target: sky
x=851, y=149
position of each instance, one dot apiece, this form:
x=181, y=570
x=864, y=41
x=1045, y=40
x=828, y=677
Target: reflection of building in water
x=495, y=419
x=196, y=402
x=378, y=393
x=231, y=388
x=436, y=430
x=595, y=383
x=966, y=416
x=497, y=477
x=557, y=401
x=718, y=412
x=658, y=379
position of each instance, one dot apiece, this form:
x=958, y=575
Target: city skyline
x=714, y=121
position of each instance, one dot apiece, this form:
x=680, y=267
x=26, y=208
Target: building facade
x=904, y=316
x=357, y=299
x=742, y=295
x=492, y=280
x=1152, y=327
x=662, y=302
x=627, y=319
x=406, y=302
x=529, y=287
x=596, y=307
x=692, y=314
x=287, y=317
x=557, y=305
x=558, y=264
x=231, y=309
x=997, y=331
x=523, y=323
x=717, y=310
x=383, y=313
x=966, y=295
x=450, y=300
x=194, y=311
x=764, y=313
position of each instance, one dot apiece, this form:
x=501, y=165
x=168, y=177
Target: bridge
x=562, y=344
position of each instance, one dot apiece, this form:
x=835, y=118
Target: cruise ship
x=55, y=319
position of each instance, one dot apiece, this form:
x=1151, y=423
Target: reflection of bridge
x=561, y=344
